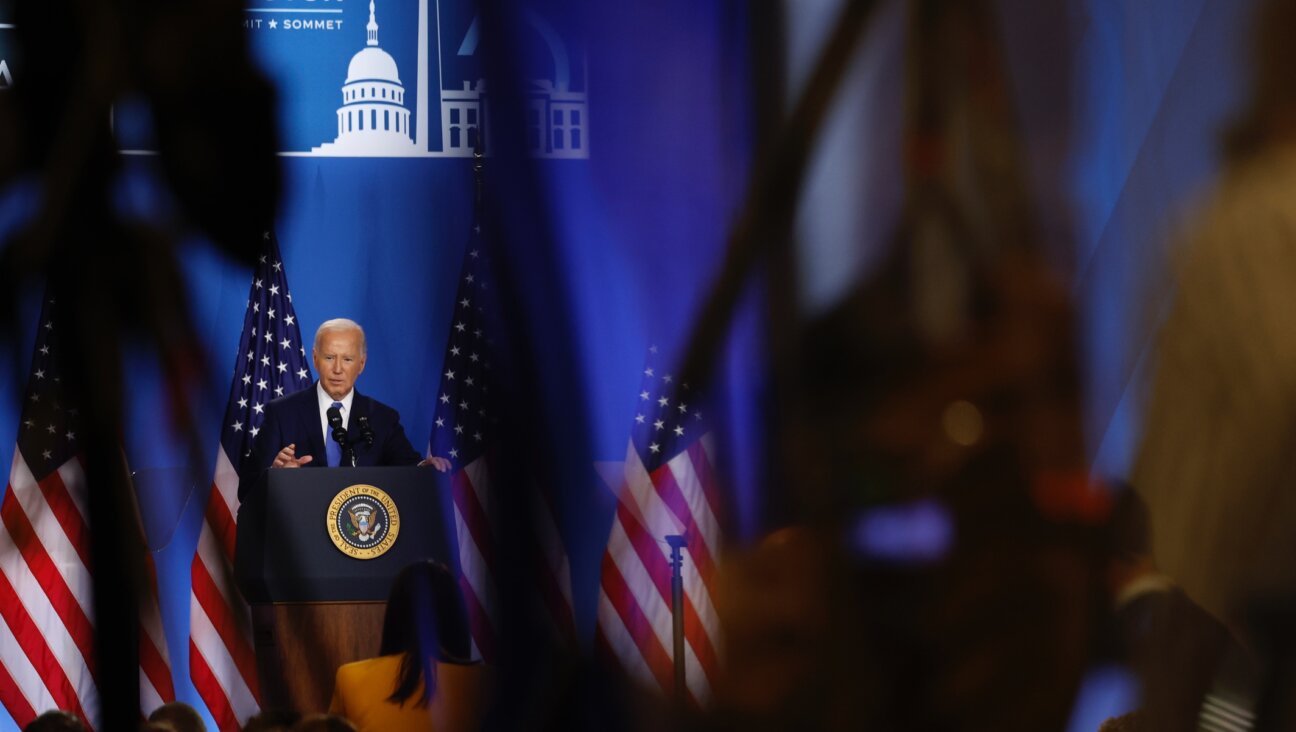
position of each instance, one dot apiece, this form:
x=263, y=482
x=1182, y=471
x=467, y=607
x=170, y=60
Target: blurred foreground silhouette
x=945, y=561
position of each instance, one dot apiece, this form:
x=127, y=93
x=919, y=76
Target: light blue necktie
x=332, y=450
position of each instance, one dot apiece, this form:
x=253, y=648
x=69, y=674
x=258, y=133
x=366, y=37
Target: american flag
x=47, y=634
x=271, y=362
x=669, y=488
x=463, y=432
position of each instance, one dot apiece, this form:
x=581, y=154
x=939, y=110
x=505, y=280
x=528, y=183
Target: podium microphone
x=366, y=432
x=340, y=435
x=335, y=421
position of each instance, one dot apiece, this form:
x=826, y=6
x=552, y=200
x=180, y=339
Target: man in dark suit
x=296, y=431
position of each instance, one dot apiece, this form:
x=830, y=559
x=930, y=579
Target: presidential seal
x=363, y=521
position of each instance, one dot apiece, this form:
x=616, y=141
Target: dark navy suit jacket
x=295, y=419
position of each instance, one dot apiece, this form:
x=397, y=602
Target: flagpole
x=677, y=542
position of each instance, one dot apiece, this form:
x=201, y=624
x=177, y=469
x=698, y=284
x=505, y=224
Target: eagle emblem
x=363, y=521
x=364, y=526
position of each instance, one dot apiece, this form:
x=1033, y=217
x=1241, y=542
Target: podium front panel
x=284, y=551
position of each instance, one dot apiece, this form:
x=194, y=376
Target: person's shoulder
x=376, y=408
x=297, y=398
x=367, y=668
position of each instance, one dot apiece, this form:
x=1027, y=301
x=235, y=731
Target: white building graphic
x=374, y=120
x=462, y=113
x=556, y=121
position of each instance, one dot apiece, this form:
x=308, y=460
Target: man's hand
x=287, y=458
x=439, y=463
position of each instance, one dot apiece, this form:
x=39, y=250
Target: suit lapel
x=359, y=408
x=311, y=420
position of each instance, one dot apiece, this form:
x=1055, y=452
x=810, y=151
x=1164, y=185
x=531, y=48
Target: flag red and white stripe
x=471, y=491
x=634, y=611
x=222, y=663
x=47, y=628
x=669, y=487
x=156, y=687
x=463, y=431
x=47, y=644
x=271, y=362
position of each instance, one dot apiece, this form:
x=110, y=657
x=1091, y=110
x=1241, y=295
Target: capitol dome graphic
x=376, y=120
x=373, y=119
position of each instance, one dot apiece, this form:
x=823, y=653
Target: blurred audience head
x=274, y=720
x=1269, y=113
x=425, y=620
x=56, y=720
x=178, y=716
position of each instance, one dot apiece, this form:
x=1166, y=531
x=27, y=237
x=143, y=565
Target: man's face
x=338, y=361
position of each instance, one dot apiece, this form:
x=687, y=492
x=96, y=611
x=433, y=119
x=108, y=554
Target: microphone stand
x=366, y=432
x=348, y=452
x=340, y=437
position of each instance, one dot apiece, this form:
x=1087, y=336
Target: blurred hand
x=440, y=463
x=287, y=458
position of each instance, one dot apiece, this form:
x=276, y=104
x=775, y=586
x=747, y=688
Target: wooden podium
x=318, y=595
